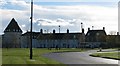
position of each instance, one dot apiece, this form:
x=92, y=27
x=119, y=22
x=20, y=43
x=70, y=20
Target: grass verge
x=21, y=56
x=108, y=55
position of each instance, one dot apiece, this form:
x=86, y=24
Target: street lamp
x=59, y=39
x=92, y=27
x=59, y=28
x=81, y=25
x=31, y=29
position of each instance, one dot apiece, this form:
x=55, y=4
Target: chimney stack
x=67, y=30
x=103, y=28
x=53, y=31
x=88, y=29
x=41, y=31
x=117, y=33
x=82, y=30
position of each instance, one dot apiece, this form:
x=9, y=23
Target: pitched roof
x=57, y=36
x=94, y=32
x=13, y=27
x=35, y=34
x=96, y=36
x=43, y=36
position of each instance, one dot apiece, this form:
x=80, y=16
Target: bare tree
x=112, y=32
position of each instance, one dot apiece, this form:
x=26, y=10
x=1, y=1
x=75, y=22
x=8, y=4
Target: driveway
x=79, y=58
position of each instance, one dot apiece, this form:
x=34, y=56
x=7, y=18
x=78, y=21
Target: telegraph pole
x=31, y=53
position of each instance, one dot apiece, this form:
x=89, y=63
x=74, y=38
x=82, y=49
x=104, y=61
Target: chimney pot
x=88, y=29
x=67, y=30
x=82, y=30
x=41, y=31
x=53, y=31
x=117, y=33
x=103, y=28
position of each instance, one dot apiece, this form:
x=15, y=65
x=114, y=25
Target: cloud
x=23, y=25
x=97, y=16
x=2, y=2
x=49, y=17
x=21, y=4
x=48, y=22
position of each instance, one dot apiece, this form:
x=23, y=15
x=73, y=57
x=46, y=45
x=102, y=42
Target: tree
x=112, y=32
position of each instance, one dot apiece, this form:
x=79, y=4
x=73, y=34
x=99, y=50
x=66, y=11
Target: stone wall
x=12, y=40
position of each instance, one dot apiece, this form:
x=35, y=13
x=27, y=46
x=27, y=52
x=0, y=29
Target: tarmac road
x=79, y=58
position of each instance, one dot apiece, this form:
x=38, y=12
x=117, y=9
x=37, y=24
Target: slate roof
x=96, y=36
x=35, y=34
x=13, y=27
x=44, y=36
x=57, y=36
x=94, y=32
x=114, y=36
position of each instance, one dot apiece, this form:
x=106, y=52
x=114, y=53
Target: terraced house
x=13, y=38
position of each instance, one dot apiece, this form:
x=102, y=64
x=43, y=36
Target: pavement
x=80, y=58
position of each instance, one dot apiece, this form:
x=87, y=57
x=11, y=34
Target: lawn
x=109, y=55
x=0, y=56
x=21, y=56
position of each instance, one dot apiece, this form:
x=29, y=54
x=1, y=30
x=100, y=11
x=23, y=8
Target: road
x=79, y=58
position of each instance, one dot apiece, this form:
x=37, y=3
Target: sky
x=49, y=14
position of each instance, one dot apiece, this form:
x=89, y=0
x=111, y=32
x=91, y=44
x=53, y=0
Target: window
x=14, y=30
x=88, y=34
x=74, y=36
x=97, y=34
x=7, y=30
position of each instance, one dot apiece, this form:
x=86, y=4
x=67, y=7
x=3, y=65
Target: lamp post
x=81, y=26
x=92, y=27
x=59, y=39
x=31, y=29
x=59, y=28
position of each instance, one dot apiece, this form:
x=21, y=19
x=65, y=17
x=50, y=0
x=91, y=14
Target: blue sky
x=49, y=14
x=75, y=3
